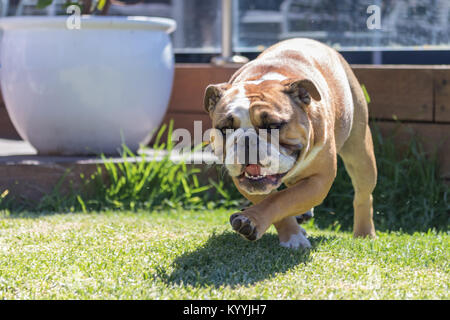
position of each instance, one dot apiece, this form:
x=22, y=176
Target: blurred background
x=412, y=31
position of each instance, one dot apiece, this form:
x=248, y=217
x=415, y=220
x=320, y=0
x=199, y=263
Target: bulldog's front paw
x=297, y=241
x=244, y=226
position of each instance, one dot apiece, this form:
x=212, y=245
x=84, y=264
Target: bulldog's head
x=260, y=128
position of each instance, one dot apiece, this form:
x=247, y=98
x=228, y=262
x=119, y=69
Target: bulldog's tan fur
x=312, y=91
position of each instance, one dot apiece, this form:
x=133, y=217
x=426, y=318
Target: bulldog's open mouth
x=254, y=176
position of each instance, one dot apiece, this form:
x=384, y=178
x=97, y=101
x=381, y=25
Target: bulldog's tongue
x=253, y=169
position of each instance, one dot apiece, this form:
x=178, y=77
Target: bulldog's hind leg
x=305, y=217
x=359, y=161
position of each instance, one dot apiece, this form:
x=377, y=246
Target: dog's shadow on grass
x=227, y=259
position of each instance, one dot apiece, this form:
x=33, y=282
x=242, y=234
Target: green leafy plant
x=144, y=183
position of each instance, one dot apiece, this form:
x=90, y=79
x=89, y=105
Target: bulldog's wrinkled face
x=261, y=128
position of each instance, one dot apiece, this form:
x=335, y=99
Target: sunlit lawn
x=183, y=254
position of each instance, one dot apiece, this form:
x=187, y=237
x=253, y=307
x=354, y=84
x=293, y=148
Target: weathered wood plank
x=190, y=83
x=442, y=95
x=182, y=120
x=404, y=94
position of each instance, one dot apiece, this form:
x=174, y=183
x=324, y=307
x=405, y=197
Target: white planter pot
x=87, y=90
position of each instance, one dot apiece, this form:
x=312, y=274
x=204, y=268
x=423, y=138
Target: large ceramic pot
x=87, y=90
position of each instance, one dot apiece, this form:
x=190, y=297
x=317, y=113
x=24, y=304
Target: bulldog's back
x=309, y=59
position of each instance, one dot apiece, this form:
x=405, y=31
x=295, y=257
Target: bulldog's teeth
x=253, y=177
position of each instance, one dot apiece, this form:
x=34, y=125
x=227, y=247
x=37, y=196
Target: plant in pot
x=86, y=90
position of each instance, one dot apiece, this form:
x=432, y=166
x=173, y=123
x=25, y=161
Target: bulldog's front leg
x=245, y=223
x=280, y=209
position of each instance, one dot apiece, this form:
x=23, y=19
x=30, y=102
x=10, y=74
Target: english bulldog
x=307, y=93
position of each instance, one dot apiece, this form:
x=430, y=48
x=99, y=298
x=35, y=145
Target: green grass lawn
x=194, y=254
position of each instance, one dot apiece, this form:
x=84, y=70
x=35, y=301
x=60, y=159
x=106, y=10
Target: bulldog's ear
x=303, y=89
x=213, y=93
